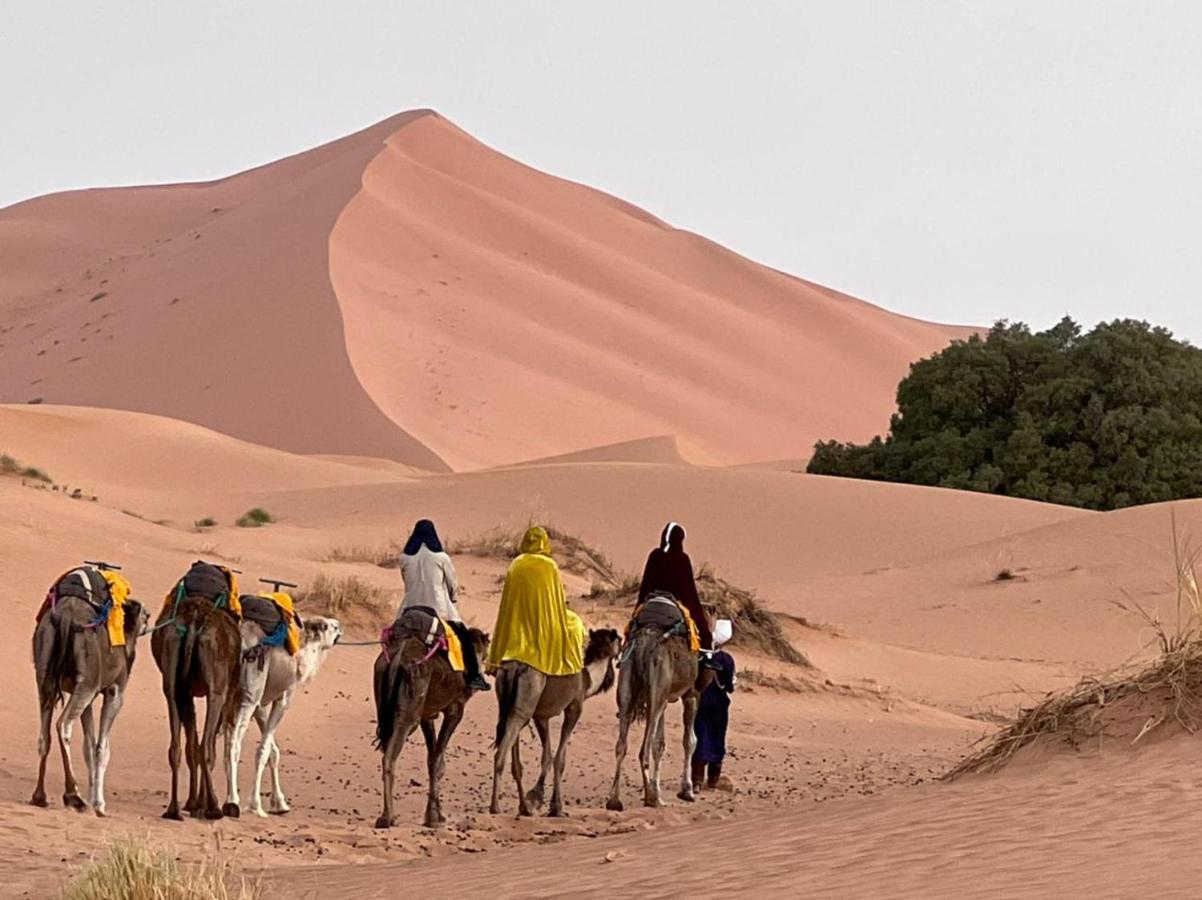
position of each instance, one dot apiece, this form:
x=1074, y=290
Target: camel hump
x=86, y=583
x=206, y=580
x=263, y=611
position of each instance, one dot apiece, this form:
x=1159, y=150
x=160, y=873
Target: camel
x=198, y=649
x=524, y=693
x=72, y=655
x=413, y=686
x=269, y=678
x=658, y=669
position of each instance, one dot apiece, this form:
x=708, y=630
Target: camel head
x=479, y=640
x=604, y=645
x=137, y=623
x=321, y=631
x=318, y=635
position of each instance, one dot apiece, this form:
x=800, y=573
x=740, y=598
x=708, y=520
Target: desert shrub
x=570, y=552
x=11, y=466
x=254, y=518
x=336, y=596
x=385, y=557
x=1102, y=420
x=206, y=522
x=133, y=870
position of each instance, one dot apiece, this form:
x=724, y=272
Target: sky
x=961, y=162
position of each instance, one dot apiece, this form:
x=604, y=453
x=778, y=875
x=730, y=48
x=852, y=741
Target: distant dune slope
x=501, y=314
x=406, y=292
x=205, y=302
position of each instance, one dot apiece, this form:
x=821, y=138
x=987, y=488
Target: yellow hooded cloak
x=534, y=624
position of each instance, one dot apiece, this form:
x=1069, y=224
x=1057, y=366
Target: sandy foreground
x=890, y=590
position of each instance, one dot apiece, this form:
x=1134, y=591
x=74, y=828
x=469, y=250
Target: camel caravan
x=246, y=654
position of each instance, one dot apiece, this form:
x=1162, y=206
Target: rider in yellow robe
x=534, y=624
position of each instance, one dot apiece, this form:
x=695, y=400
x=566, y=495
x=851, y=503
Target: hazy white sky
x=955, y=161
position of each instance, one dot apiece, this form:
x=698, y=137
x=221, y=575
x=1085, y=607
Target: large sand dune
x=406, y=292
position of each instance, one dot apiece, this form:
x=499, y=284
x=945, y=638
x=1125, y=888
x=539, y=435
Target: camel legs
x=207, y=757
x=114, y=699
x=74, y=707
x=571, y=716
x=652, y=752
x=534, y=797
x=508, y=747
x=89, y=751
x=615, y=802
x=400, y=734
x=173, y=759
x=46, y=716
x=436, y=764
x=233, y=754
x=688, y=705
x=267, y=750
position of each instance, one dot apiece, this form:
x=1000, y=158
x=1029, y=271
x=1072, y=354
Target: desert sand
x=405, y=323
x=916, y=651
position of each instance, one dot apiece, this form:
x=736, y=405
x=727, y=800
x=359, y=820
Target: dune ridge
x=407, y=292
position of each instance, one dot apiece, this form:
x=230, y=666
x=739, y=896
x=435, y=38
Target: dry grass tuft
x=338, y=596
x=132, y=870
x=385, y=557
x=754, y=678
x=10, y=466
x=1173, y=680
x=570, y=552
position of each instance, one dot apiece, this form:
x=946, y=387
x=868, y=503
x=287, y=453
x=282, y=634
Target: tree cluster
x=1103, y=420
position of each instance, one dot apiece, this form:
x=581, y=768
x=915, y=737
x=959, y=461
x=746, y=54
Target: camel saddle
x=85, y=583
x=659, y=610
x=423, y=623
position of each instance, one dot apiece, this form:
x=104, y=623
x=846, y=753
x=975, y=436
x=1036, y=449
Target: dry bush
x=570, y=552
x=133, y=870
x=1173, y=681
x=10, y=466
x=385, y=557
x=255, y=518
x=337, y=596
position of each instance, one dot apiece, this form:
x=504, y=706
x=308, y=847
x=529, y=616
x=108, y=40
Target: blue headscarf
x=424, y=534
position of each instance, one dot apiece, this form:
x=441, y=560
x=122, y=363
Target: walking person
x=713, y=714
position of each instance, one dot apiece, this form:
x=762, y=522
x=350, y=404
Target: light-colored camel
x=412, y=688
x=270, y=676
x=72, y=655
x=658, y=669
x=524, y=693
x=198, y=649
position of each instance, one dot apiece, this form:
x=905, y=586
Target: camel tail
x=507, y=697
x=637, y=669
x=388, y=689
x=184, y=703
x=51, y=656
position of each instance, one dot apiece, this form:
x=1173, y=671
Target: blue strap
x=277, y=637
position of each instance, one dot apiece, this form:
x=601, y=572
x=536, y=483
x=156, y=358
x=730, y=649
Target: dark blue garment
x=713, y=712
x=424, y=534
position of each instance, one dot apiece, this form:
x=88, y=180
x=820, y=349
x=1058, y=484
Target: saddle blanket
x=662, y=610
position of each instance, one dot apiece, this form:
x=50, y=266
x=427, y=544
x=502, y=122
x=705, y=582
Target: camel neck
x=596, y=676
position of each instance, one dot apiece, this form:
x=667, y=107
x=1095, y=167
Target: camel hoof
x=614, y=805
x=173, y=815
x=534, y=799
x=75, y=802
x=687, y=797
x=213, y=814
x=524, y=811
x=433, y=821
x=494, y=809
x=281, y=810
x=99, y=810
x=557, y=814
x=653, y=804
x=39, y=801
x=231, y=810
x=258, y=811
x=383, y=822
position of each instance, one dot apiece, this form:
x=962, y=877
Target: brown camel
x=198, y=649
x=72, y=655
x=524, y=693
x=658, y=669
x=266, y=689
x=414, y=686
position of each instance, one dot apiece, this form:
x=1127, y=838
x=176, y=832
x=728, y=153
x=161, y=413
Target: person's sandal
x=479, y=684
